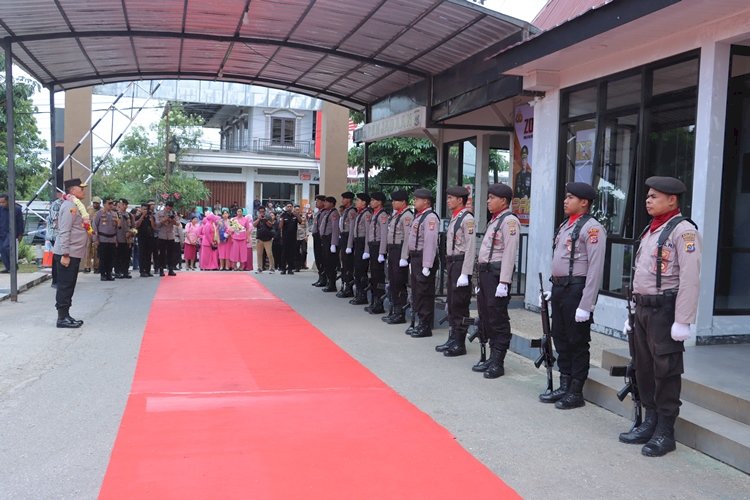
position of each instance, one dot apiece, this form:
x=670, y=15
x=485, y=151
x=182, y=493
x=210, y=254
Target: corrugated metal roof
x=345, y=52
x=557, y=12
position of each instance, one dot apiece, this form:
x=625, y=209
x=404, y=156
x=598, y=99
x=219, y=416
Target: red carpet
x=237, y=396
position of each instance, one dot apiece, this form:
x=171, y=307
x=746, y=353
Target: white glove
x=348, y=251
x=544, y=294
x=381, y=258
x=426, y=271
x=626, y=328
x=403, y=263
x=680, y=331
x=476, y=290
x=501, y=290
x=333, y=248
x=365, y=256
x=582, y=315
x=463, y=280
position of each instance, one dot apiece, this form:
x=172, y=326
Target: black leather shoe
x=161, y=273
x=290, y=272
x=377, y=308
x=145, y=275
x=283, y=272
x=558, y=393
x=79, y=321
x=86, y=269
x=574, y=396
x=171, y=273
x=445, y=346
x=127, y=276
x=106, y=278
x=457, y=349
x=330, y=289
x=481, y=366
x=422, y=332
x=643, y=433
x=358, y=301
x=398, y=319
x=68, y=322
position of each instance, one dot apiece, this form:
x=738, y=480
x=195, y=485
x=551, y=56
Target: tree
x=138, y=173
x=31, y=168
x=402, y=160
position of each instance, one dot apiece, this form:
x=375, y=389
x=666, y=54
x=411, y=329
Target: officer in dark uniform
x=577, y=266
x=399, y=225
x=288, y=222
x=460, y=254
x=423, y=248
x=376, y=242
x=347, y=259
x=105, y=226
x=666, y=283
x=329, y=238
x=145, y=224
x=70, y=247
x=356, y=247
x=319, y=262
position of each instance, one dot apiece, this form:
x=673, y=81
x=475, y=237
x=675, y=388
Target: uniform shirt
x=588, y=260
x=5, y=221
x=290, y=225
x=72, y=238
x=462, y=240
x=54, y=213
x=126, y=222
x=500, y=244
x=377, y=230
x=398, y=227
x=346, y=221
x=316, y=221
x=359, y=228
x=329, y=225
x=145, y=228
x=105, y=226
x=164, y=227
x=680, y=268
x=302, y=228
x=423, y=236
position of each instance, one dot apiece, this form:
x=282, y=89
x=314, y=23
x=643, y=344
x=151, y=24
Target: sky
x=525, y=10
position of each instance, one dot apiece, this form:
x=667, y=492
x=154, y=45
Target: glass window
x=620, y=268
x=740, y=65
x=580, y=145
x=624, y=92
x=282, y=131
x=582, y=102
x=675, y=77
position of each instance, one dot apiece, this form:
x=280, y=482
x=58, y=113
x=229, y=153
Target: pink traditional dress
x=240, y=229
x=225, y=238
x=249, y=262
x=192, y=240
x=209, y=255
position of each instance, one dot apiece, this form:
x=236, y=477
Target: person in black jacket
x=264, y=237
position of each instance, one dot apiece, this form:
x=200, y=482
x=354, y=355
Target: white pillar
x=305, y=194
x=481, y=180
x=709, y=158
x=440, y=167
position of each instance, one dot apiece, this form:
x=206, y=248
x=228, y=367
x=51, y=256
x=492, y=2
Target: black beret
x=364, y=197
x=321, y=197
x=399, y=195
x=331, y=199
x=73, y=182
x=123, y=200
x=667, y=185
x=348, y=195
x=581, y=190
x=458, y=191
x=169, y=203
x=501, y=190
x=377, y=195
x=423, y=193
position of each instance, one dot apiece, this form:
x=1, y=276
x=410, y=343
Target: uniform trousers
x=165, y=254
x=459, y=297
x=330, y=260
x=122, y=258
x=106, y=258
x=145, y=253
x=5, y=251
x=658, y=358
x=267, y=247
x=319, y=264
x=301, y=254
x=289, y=253
x=377, y=272
x=571, y=338
x=347, y=260
x=422, y=290
x=360, y=266
x=493, y=311
x=398, y=277
x=67, y=278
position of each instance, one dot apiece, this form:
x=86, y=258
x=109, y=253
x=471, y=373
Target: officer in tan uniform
x=398, y=254
x=319, y=256
x=423, y=247
x=495, y=264
x=91, y=261
x=329, y=240
x=376, y=244
x=356, y=246
x=665, y=288
x=460, y=253
x=166, y=220
x=70, y=248
x=105, y=226
x=347, y=259
x=579, y=248
x=124, y=238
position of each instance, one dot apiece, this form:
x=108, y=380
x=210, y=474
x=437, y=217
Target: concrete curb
x=28, y=285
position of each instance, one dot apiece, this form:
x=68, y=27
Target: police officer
x=70, y=248
x=495, y=264
x=288, y=222
x=460, y=253
x=356, y=247
x=124, y=237
x=92, y=253
x=399, y=224
x=347, y=259
x=665, y=285
x=319, y=262
x=577, y=266
x=105, y=226
x=145, y=224
x=329, y=239
x=423, y=246
x=166, y=220
x=376, y=245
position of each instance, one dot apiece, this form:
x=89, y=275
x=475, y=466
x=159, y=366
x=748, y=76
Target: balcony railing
x=269, y=146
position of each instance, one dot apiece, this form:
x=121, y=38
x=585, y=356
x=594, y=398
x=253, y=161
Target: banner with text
x=521, y=174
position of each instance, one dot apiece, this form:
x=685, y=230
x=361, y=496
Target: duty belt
x=568, y=280
x=454, y=258
x=659, y=300
x=108, y=235
x=484, y=267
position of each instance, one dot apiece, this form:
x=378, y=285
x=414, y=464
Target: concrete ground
x=24, y=281
x=63, y=392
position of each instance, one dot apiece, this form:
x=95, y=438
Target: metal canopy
x=349, y=53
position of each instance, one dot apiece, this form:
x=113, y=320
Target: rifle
x=406, y=308
x=544, y=344
x=628, y=372
x=478, y=331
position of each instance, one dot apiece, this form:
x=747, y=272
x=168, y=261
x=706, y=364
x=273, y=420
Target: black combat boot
x=459, y=345
x=641, y=434
x=574, y=397
x=398, y=318
x=65, y=321
x=557, y=394
x=360, y=297
x=346, y=291
x=448, y=343
x=481, y=366
x=412, y=328
x=662, y=442
x=422, y=331
x=496, y=366
x=377, y=306
x=330, y=287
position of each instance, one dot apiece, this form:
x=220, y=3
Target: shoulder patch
x=73, y=210
x=690, y=246
x=512, y=226
x=593, y=235
x=470, y=226
x=688, y=236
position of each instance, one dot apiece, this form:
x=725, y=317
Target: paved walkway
x=24, y=282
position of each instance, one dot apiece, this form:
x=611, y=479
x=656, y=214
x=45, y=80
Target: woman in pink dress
x=240, y=229
x=192, y=242
x=209, y=258
x=225, y=240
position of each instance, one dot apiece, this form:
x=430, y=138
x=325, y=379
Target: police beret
x=74, y=182
x=377, y=195
x=321, y=197
x=667, y=185
x=364, y=197
x=348, y=195
x=96, y=199
x=399, y=195
x=458, y=191
x=423, y=193
x=331, y=199
x=501, y=190
x=170, y=203
x=581, y=190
